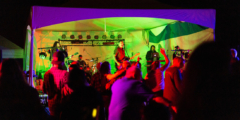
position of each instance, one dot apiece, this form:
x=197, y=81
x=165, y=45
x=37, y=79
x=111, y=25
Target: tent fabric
x=109, y=24
x=175, y=30
x=9, y=49
x=186, y=42
x=45, y=16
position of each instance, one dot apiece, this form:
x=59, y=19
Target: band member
x=119, y=54
x=81, y=62
x=56, y=47
x=151, y=56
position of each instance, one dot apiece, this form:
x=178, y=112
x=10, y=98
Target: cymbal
x=90, y=60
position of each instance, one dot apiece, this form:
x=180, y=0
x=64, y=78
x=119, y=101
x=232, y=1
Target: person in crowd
x=98, y=66
x=104, y=76
x=151, y=56
x=137, y=63
x=67, y=90
x=54, y=81
x=173, y=83
x=125, y=65
x=84, y=102
x=18, y=100
x=74, y=64
x=128, y=96
x=234, y=57
x=155, y=78
x=210, y=92
x=95, y=76
x=100, y=82
x=156, y=111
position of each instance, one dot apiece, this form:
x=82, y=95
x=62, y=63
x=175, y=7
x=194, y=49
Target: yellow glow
x=94, y=112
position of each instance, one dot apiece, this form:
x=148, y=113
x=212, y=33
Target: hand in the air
x=138, y=58
x=162, y=51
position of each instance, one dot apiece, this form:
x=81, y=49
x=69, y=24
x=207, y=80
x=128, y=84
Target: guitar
x=126, y=58
x=67, y=61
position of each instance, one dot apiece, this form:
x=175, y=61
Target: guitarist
x=119, y=55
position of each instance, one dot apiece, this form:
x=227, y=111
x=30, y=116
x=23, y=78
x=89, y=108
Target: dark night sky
x=14, y=14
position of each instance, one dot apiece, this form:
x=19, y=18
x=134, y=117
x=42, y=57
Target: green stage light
x=112, y=36
x=63, y=36
x=104, y=37
x=119, y=36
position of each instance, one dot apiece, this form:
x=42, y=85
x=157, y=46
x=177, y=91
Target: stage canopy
x=46, y=16
x=141, y=28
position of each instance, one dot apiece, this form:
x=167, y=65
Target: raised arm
x=112, y=76
x=167, y=63
x=137, y=63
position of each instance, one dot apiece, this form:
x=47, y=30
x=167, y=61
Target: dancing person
x=155, y=77
x=18, y=100
x=100, y=82
x=173, y=83
x=84, y=102
x=54, y=81
x=128, y=96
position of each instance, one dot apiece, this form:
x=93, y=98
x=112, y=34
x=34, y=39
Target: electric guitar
x=67, y=61
x=126, y=58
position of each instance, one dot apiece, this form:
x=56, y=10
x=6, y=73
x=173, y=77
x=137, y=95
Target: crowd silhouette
x=208, y=88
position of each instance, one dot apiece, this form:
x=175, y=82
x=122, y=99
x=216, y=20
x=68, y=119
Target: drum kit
x=93, y=68
x=90, y=69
